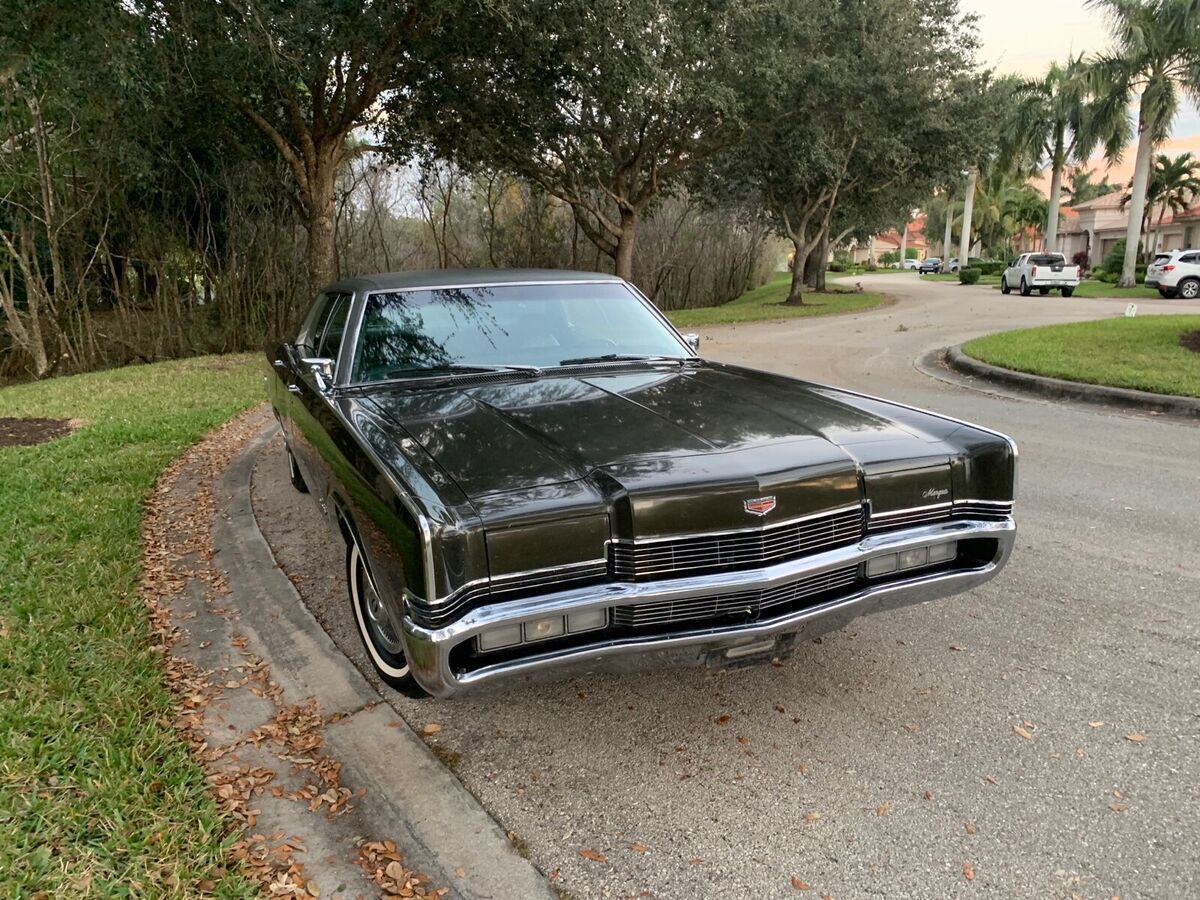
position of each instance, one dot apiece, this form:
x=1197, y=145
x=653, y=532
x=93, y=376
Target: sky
x=1025, y=36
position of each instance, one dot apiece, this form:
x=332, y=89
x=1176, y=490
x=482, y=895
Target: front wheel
x=1189, y=289
x=1067, y=292
x=383, y=644
x=1004, y=288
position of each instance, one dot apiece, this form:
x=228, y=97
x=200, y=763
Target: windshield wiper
x=461, y=369
x=620, y=357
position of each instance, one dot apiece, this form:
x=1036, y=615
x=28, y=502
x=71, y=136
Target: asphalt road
x=1038, y=737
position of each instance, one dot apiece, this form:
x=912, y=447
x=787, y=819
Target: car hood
x=658, y=451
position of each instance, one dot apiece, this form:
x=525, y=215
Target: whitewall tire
x=384, y=646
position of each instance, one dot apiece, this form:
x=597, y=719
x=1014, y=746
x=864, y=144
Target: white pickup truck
x=1043, y=272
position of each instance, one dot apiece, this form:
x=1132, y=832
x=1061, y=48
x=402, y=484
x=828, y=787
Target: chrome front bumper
x=429, y=650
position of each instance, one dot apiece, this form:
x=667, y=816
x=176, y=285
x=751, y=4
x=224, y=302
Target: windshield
x=408, y=333
x=1047, y=259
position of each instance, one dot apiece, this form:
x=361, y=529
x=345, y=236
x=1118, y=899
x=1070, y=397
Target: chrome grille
x=742, y=605
x=988, y=510
x=632, y=561
x=504, y=587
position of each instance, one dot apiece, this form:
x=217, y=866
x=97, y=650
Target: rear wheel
x=383, y=644
x=1189, y=288
x=1067, y=292
x=1025, y=291
x=1004, y=288
x=294, y=473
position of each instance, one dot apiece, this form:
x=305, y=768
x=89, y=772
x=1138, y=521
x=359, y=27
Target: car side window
x=315, y=322
x=1191, y=258
x=330, y=341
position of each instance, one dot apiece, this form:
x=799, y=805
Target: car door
x=1012, y=274
x=311, y=415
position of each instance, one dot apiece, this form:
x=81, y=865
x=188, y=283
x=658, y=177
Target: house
x=1095, y=226
x=889, y=242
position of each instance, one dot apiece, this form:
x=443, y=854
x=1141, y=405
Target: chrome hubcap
x=377, y=620
x=1190, y=290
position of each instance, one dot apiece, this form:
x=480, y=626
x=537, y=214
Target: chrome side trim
x=749, y=529
x=910, y=509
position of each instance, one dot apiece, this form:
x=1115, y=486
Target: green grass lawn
x=766, y=303
x=97, y=794
x=1142, y=353
x=1100, y=289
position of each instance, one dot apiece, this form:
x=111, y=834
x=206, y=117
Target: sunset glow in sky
x=1025, y=36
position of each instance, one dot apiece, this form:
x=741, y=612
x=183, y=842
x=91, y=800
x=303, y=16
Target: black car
x=929, y=265
x=533, y=470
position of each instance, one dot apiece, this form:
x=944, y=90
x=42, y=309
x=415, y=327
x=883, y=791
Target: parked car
x=910, y=264
x=952, y=265
x=930, y=265
x=533, y=470
x=1043, y=272
x=1175, y=274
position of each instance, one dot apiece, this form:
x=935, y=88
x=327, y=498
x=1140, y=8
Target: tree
x=1055, y=124
x=605, y=106
x=308, y=74
x=856, y=101
x=1082, y=188
x=1174, y=185
x=1156, y=54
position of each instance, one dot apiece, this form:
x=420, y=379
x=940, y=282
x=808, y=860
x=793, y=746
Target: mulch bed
x=1190, y=340
x=27, y=432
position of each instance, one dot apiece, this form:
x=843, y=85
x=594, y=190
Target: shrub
x=836, y=266
x=889, y=258
x=969, y=275
x=1110, y=277
x=1081, y=259
x=870, y=267
x=990, y=268
x=1114, y=259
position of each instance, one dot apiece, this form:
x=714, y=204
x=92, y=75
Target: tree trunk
x=1052, y=212
x=819, y=261
x=795, y=295
x=623, y=260
x=319, y=207
x=948, y=237
x=964, y=253
x=1137, y=199
x=903, y=244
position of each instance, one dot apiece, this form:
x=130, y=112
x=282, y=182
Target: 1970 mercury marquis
x=533, y=470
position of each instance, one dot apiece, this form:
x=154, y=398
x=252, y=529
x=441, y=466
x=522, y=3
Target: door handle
x=293, y=388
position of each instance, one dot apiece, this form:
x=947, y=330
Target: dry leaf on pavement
x=593, y=855
x=799, y=885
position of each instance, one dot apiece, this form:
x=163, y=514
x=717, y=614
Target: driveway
x=1037, y=737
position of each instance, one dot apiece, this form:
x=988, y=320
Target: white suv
x=1176, y=274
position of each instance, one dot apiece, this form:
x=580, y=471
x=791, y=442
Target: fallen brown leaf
x=881, y=809
x=1095, y=724
x=1135, y=737
x=800, y=885
x=638, y=847
x=1118, y=807
x=695, y=861
x=1019, y=731
x=812, y=816
x=431, y=728
x=968, y=871
x=593, y=855
x=723, y=718
x=970, y=828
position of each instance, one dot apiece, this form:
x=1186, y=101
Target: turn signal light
x=915, y=558
x=541, y=629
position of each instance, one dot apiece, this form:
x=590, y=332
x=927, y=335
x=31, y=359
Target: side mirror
x=322, y=369
x=693, y=342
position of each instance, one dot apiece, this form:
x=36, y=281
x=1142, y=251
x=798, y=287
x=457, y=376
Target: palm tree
x=1173, y=186
x=1082, y=187
x=1156, y=55
x=1053, y=123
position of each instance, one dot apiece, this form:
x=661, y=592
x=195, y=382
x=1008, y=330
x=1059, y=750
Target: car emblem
x=759, y=506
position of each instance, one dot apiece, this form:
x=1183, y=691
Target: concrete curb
x=439, y=828
x=1059, y=389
